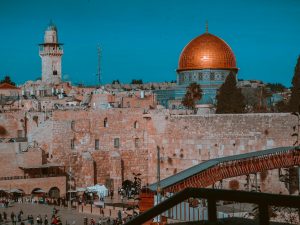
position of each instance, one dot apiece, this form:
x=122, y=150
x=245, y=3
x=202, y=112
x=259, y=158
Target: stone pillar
x=116, y=170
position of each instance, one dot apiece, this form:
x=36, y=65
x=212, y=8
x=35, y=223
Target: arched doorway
x=16, y=194
x=38, y=195
x=54, y=192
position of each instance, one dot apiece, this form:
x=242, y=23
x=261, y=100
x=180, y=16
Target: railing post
x=263, y=214
x=212, y=210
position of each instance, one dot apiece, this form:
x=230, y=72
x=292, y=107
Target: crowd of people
x=18, y=218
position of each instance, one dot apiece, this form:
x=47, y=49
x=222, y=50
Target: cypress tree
x=294, y=103
x=230, y=98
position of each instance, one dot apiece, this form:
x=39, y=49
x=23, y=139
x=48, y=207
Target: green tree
x=230, y=98
x=294, y=103
x=8, y=81
x=281, y=106
x=276, y=87
x=137, y=81
x=192, y=95
x=115, y=82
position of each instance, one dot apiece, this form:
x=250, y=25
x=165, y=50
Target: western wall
x=69, y=137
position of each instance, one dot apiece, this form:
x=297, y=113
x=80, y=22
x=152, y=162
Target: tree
x=137, y=81
x=276, y=87
x=8, y=81
x=294, y=103
x=192, y=95
x=230, y=98
x=115, y=82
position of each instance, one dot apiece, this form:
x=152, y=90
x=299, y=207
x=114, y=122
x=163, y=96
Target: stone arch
x=19, y=192
x=54, y=192
x=37, y=191
x=105, y=122
x=136, y=124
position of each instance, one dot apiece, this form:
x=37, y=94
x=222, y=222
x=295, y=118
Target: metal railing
x=263, y=200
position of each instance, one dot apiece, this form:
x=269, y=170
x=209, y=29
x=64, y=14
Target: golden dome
x=206, y=51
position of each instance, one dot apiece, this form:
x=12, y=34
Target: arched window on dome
x=136, y=125
x=105, y=122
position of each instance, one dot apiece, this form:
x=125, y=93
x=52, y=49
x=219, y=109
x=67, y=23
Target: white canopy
x=101, y=190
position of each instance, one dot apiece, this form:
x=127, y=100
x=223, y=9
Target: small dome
x=206, y=51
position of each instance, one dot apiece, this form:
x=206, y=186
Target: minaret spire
x=206, y=26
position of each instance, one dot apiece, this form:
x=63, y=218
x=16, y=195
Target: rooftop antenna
x=99, y=68
x=206, y=26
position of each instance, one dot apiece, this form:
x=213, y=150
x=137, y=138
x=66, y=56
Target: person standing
x=46, y=220
x=4, y=216
x=12, y=217
x=38, y=220
x=14, y=220
x=111, y=194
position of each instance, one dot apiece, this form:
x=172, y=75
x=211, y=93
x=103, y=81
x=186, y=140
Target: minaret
x=51, y=52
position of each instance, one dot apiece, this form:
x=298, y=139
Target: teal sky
x=143, y=39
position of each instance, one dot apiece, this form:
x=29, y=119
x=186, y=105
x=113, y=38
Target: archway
x=38, y=195
x=54, y=192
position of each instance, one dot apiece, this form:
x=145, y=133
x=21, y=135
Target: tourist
x=46, y=220
x=111, y=194
x=14, y=220
x=31, y=220
x=19, y=217
x=54, y=211
x=38, y=219
x=120, y=216
x=41, y=220
x=4, y=216
x=12, y=217
x=92, y=222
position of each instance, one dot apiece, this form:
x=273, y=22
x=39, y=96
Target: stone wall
x=184, y=141
x=188, y=140
x=12, y=122
x=69, y=137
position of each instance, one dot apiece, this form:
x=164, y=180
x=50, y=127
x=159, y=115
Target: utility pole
x=158, y=190
x=99, y=65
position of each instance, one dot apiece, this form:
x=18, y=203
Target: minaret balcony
x=51, y=52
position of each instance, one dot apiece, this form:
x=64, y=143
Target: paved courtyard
x=68, y=216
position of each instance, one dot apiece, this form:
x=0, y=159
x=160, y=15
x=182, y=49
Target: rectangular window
x=117, y=142
x=20, y=133
x=136, y=142
x=72, y=144
x=97, y=144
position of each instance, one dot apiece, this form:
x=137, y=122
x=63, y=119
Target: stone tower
x=51, y=53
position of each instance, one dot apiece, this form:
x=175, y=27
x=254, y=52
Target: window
x=97, y=144
x=136, y=142
x=54, y=72
x=72, y=124
x=117, y=142
x=136, y=125
x=20, y=133
x=105, y=122
x=72, y=144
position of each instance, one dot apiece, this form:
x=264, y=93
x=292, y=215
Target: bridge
x=214, y=170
